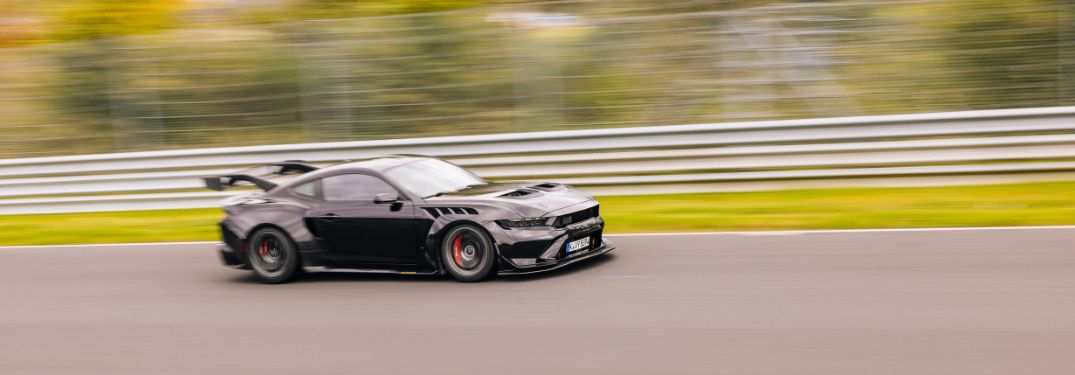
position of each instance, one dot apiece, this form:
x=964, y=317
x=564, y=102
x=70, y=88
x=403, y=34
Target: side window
x=353, y=187
x=308, y=189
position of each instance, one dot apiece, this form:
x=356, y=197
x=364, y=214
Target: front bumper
x=535, y=250
x=605, y=247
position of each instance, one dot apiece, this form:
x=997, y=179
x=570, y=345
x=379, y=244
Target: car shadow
x=248, y=277
x=564, y=271
x=343, y=276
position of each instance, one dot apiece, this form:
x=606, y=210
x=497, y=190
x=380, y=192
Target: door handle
x=330, y=217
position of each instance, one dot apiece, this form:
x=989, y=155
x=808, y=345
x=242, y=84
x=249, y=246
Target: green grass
x=991, y=205
x=110, y=227
x=954, y=206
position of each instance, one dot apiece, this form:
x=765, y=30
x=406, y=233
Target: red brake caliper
x=264, y=248
x=455, y=250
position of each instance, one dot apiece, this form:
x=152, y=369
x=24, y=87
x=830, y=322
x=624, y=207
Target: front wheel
x=468, y=253
x=272, y=256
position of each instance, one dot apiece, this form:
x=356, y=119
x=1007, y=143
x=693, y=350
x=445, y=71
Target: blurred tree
x=989, y=53
x=201, y=72
x=94, y=92
x=1007, y=49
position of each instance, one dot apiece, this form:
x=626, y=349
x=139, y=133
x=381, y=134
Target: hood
x=528, y=199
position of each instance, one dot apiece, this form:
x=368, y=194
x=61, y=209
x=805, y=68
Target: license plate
x=579, y=244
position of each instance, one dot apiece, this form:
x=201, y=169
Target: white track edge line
x=838, y=231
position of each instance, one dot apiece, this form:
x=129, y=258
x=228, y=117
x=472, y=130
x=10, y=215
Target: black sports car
x=402, y=214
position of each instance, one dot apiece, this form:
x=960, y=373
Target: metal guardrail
x=934, y=148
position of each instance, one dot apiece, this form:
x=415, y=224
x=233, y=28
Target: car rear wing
x=260, y=176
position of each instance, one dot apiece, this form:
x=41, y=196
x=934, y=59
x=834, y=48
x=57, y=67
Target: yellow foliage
x=89, y=19
x=314, y=9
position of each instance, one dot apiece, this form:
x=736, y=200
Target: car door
x=360, y=231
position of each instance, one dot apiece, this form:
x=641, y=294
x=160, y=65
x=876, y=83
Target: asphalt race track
x=903, y=302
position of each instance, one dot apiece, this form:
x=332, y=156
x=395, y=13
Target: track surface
x=931, y=302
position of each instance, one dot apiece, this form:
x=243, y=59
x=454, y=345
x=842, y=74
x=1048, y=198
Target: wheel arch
x=256, y=228
x=263, y=226
x=436, y=237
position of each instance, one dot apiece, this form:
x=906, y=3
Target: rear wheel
x=468, y=253
x=272, y=256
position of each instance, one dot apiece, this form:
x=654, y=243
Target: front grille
x=577, y=216
x=530, y=249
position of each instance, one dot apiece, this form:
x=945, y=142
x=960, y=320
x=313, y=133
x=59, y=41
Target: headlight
x=524, y=223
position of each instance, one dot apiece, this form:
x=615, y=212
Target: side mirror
x=386, y=198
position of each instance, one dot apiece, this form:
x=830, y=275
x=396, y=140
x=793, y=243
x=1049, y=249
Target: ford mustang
x=405, y=215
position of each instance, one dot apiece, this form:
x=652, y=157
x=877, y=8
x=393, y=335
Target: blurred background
x=110, y=76
x=678, y=115
x=92, y=77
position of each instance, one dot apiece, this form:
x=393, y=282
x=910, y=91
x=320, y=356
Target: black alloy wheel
x=468, y=253
x=272, y=256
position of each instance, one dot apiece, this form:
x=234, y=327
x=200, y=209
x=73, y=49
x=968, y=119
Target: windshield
x=429, y=177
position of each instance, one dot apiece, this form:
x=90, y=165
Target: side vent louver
x=432, y=212
x=438, y=211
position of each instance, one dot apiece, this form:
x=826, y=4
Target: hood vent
x=518, y=193
x=548, y=186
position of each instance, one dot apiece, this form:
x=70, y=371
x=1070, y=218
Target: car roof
x=378, y=164
x=375, y=166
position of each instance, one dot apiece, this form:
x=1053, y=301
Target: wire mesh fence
x=531, y=67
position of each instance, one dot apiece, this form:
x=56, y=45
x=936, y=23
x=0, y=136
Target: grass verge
x=1050, y=203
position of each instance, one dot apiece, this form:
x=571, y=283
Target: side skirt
x=359, y=270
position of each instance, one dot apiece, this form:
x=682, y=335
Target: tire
x=468, y=253
x=272, y=256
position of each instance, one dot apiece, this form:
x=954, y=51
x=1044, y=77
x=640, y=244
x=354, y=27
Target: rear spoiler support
x=219, y=183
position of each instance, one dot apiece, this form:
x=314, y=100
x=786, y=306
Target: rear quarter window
x=308, y=189
x=353, y=187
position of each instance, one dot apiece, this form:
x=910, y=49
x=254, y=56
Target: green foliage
x=994, y=53
x=86, y=101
